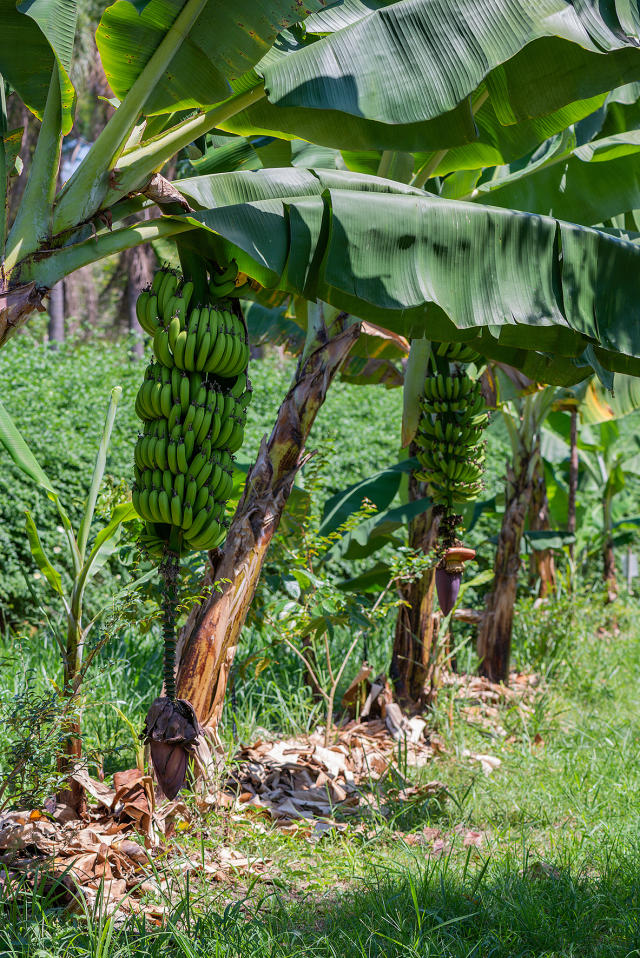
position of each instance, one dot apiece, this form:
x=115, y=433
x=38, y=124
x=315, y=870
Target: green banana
x=164, y=507
x=198, y=418
x=201, y=517
x=201, y=498
x=166, y=400
x=167, y=290
x=236, y=436
x=172, y=460
x=161, y=347
x=176, y=510
x=221, y=275
x=175, y=416
x=201, y=317
x=174, y=328
x=178, y=352
x=218, y=348
x=187, y=422
x=189, y=443
x=187, y=517
x=190, y=351
x=181, y=457
x=160, y=453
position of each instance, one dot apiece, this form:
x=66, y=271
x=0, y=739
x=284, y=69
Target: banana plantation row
x=467, y=233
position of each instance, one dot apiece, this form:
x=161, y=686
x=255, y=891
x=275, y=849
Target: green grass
x=557, y=874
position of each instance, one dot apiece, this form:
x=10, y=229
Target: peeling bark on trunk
x=209, y=639
x=608, y=555
x=610, y=572
x=573, y=477
x=71, y=757
x=413, y=653
x=542, y=564
x=16, y=306
x=494, y=636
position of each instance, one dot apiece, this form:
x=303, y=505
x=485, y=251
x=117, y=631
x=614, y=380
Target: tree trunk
x=608, y=555
x=494, y=636
x=209, y=639
x=56, y=315
x=542, y=566
x=139, y=267
x=415, y=634
x=73, y=795
x=573, y=477
x=16, y=306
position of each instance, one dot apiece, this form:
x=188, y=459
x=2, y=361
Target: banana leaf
x=548, y=539
x=36, y=39
x=106, y=540
x=12, y=440
x=225, y=42
x=534, y=60
x=51, y=574
x=375, y=532
x=531, y=282
x=380, y=489
x=584, y=184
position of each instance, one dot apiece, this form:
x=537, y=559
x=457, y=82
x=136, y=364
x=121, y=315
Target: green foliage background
x=59, y=398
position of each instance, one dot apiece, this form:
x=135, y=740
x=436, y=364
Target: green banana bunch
x=457, y=353
x=451, y=451
x=193, y=404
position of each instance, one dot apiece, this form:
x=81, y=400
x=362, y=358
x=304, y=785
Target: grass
x=556, y=875
x=557, y=872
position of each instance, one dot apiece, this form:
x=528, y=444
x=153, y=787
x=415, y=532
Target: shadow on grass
x=497, y=909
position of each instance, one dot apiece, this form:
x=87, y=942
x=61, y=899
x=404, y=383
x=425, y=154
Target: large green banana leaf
x=38, y=35
x=415, y=263
x=551, y=298
x=225, y=42
x=584, y=184
x=498, y=144
x=333, y=85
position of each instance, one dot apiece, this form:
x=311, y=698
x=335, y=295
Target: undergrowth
x=554, y=872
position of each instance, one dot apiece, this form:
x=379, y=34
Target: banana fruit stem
x=169, y=572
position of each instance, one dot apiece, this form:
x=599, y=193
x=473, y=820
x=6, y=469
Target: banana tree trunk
x=210, y=636
x=542, y=566
x=494, y=636
x=415, y=632
x=16, y=306
x=573, y=477
x=70, y=756
x=608, y=555
x=56, y=315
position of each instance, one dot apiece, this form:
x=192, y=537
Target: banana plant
x=368, y=245
x=85, y=561
x=607, y=468
x=523, y=423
